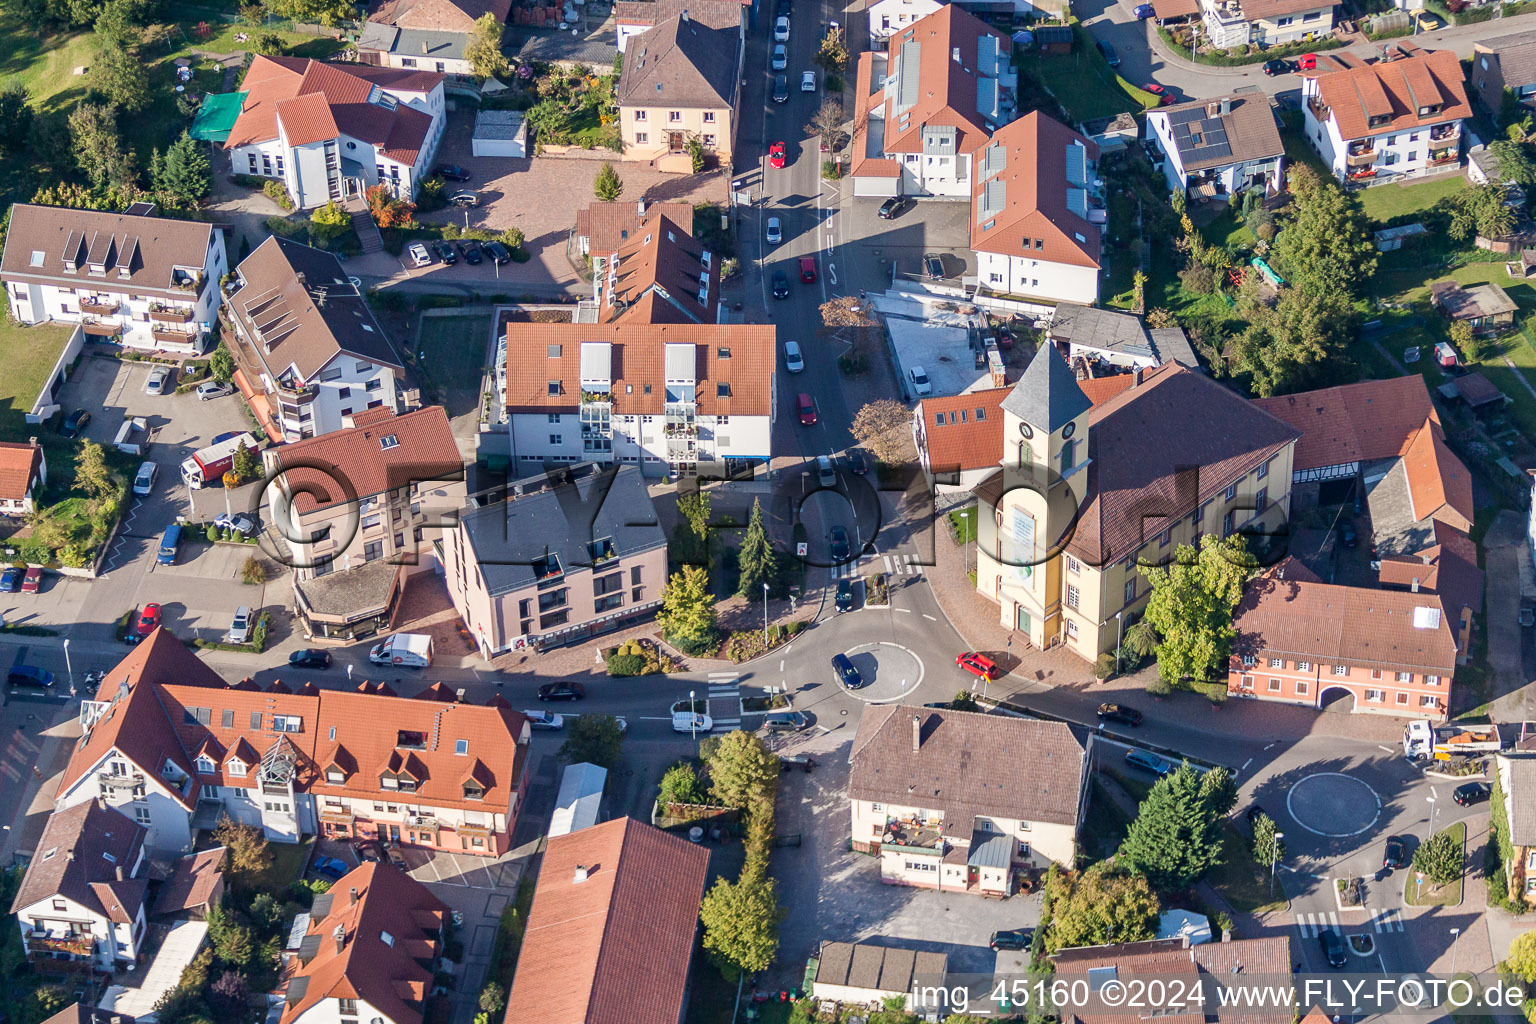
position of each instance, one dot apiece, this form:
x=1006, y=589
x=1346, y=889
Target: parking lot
x=928, y=226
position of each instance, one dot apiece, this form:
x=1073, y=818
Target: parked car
x=918, y=377
x=780, y=88
x=780, y=57
x=10, y=580
x=807, y=269
x=211, y=389
x=781, y=30
x=453, y=172
x=498, y=253
x=1119, y=713
x=1471, y=793
x=366, y=850
x=1394, y=858
x=933, y=265
x=331, y=867
x=32, y=582
x=238, y=523
x=29, y=677
x=419, y=255
x=845, y=672
x=807, y=81
x=1306, y=62
x=310, y=657
x=1144, y=11
x=162, y=381
x=776, y=155
x=465, y=197
x=149, y=618
x=240, y=627
x=775, y=231
x=805, y=407
x=144, y=479
x=826, y=474
x=545, y=720
x=1147, y=762
x=1279, y=66
x=1255, y=812
x=783, y=7
x=74, y=423
x=978, y=665
x=683, y=721
x=1110, y=56
x=785, y=721
x=894, y=207
x=780, y=285
x=471, y=253
x=1164, y=97
x=1333, y=947
x=445, y=253
x=837, y=540
x=794, y=362
x=1017, y=938
x=844, y=599
x=562, y=691
x=395, y=857
x=1527, y=615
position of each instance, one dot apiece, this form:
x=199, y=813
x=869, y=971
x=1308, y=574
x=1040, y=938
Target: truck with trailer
x=207, y=465
x=1421, y=740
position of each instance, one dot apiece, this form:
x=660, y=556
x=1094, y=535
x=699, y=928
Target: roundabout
x=889, y=670
x=1333, y=804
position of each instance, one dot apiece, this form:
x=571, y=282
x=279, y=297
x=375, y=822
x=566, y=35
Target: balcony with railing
x=1445, y=132
x=49, y=943
x=106, y=305
x=1443, y=157
x=1360, y=155
x=421, y=822
x=186, y=280
x=170, y=314
x=120, y=781
x=173, y=335
x=909, y=835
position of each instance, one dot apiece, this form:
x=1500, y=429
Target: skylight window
x=389, y=441
x=37, y=257
x=461, y=747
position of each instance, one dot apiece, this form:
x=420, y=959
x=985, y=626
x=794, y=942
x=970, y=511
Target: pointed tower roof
x=1047, y=396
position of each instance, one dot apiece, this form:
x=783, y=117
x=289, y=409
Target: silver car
x=211, y=389
x=240, y=629
x=160, y=381
x=780, y=57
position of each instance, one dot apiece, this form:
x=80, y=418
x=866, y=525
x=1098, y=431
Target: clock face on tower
x=1025, y=429
x=1068, y=430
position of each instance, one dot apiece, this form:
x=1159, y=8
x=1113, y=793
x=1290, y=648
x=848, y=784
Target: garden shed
x=500, y=133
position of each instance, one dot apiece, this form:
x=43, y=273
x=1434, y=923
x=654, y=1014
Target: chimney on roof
x=69, y=855
x=354, y=894
x=917, y=733
x=426, y=47
x=1136, y=377
x=684, y=15
x=340, y=935
x=641, y=206
x=1415, y=587
x=121, y=873
x=1212, y=109
x=582, y=872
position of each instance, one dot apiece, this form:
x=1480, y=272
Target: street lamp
x=1119, y=635
x=1455, y=937
x=693, y=719
x=1274, y=857
x=1433, y=807
x=765, y=615
x=69, y=668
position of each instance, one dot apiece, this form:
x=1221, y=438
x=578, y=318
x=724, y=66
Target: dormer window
x=334, y=776
x=389, y=782
x=235, y=767
x=473, y=791
x=205, y=765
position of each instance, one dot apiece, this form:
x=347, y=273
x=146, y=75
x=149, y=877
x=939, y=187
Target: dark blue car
x=10, y=581
x=331, y=867
x=1144, y=11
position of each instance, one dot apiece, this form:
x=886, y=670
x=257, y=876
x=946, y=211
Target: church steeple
x=1047, y=396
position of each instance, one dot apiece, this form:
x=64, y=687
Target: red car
x=1306, y=62
x=148, y=619
x=1164, y=97
x=978, y=665
x=33, y=582
x=806, y=406
x=808, y=269
x=776, y=155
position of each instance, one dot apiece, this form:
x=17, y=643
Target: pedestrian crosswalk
x=1387, y=919
x=725, y=700
x=846, y=571
x=902, y=565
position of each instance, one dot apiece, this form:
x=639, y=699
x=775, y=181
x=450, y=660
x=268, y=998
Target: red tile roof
x=613, y=947
x=1374, y=419
x=195, y=881
x=659, y=275
x=976, y=441
x=439, y=15
x=82, y=847
x=608, y=226
x=1169, y=959
x=946, y=95
x=1032, y=180
x=1396, y=90
x=422, y=449
x=19, y=464
x=1439, y=484
x=389, y=933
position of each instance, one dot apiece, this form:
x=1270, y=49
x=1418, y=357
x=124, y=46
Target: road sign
x=802, y=549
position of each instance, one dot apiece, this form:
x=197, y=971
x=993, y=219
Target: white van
x=682, y=721
x=412, y=650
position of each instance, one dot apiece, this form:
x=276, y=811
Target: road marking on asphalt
x=832, y=272
x=1387, y=920
x=930, y=618
x=1310, y=925
x=1246, y=764
x=1291, y=795
x=1383, y=746
x=904, y=611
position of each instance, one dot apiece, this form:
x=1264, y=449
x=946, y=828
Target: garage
x=500, y=133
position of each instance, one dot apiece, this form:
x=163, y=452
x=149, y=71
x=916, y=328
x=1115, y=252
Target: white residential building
x=1397, y=118
x=1220, y=146
x=1264, y=22
x=888, y=17
x=331, y=131
x=1038, y=216
x=133, y=278
x=82, y=897
x=308, y=351
x=930, y=104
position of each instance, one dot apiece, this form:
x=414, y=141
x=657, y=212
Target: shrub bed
x=745, y=644
x=639, y=657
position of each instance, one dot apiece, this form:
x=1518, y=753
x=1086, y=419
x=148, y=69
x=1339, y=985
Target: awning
x=217, y=116
x=1165, y=9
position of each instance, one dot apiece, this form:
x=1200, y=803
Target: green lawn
x=1243, y=881
x=1438, y=895
x=453, y=354
x=1294, y=136
x=1385, y=202
x=963, y=521
x=1105, y=827
x=28, y=354
x=1083, y=82
x=1229, y=232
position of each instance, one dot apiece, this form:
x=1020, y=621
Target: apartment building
x=308, y=351
x=1038, y=216
x=636, y=17
x=957, y=801
x=1396, y=118
x=566, y=556
x=1221, y=146
x=928, y=105
x=1190, y=966
x=332, y=131
x=425, y=35
x=370, y=952
x=134, y=279
x=1303, y=641
x=604, y=228
x=83, y=895
x=660, y=274
x=611, y=933
x=168, y=744
x=1505, y=66
x=888, y=17
x=680, y=85
x=1517, y=782
x=23, y=472
x=1232, y=23
x=670, y=398
x=1088, y=494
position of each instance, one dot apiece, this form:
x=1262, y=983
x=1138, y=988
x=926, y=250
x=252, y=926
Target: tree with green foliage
x=1467, y=342
x=78, y=197
x=1299, y=342
x=1480, y=211
x=268, y=44
x=607, y=186
x=757, y=562
x=320, y=12
x=1327, y=246
x=483, y=48
x=121, y=79
x=248, y=850
x=1176, y=835
x=329, y=223
x=1440, y=856
x=1521, y=960
x=493, y=999
x=1515, y=164
x=247, y=462
x=221, y=364
x=231, y=940
x=740, y=767
x=741, y=924
x=681, y=785
x=92, y=474
x=15, y=117
x=1267, y=849
x=99, y=147
x=1191, y=607
x=694, y=507
x=832, y=52
x=1105, y=904
x=688, y=610
x=594, y=739
x=182, y=177
x=120, y=25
